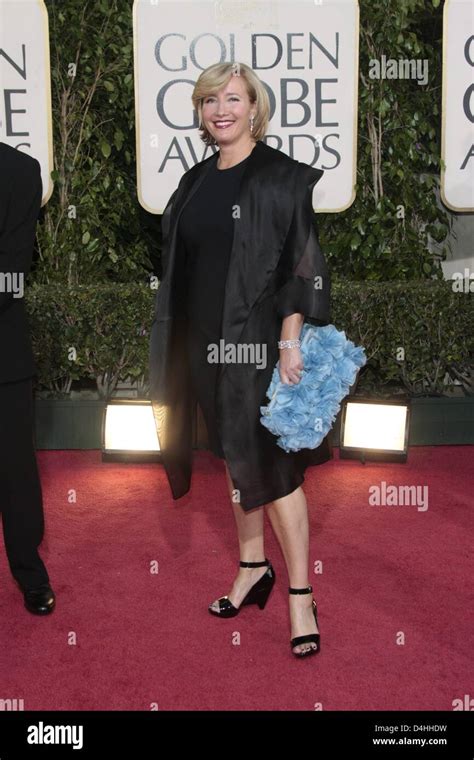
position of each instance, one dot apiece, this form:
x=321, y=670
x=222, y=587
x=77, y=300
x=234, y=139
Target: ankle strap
x=306, y=590
x=255, y=564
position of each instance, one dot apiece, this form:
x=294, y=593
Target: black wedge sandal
x=258, y=594
x=309, y=638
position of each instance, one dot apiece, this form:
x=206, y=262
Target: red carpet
x=144, y=639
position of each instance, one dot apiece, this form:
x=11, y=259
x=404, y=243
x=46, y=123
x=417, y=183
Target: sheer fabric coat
x=276, y=268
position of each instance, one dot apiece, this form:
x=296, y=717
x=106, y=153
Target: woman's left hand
x=291, y=365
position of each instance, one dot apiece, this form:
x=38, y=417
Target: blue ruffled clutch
x=301, y=415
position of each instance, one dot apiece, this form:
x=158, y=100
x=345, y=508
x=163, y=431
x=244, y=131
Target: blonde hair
x=217, y=76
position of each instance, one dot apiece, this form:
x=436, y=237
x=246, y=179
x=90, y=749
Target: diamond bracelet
x=289, y=343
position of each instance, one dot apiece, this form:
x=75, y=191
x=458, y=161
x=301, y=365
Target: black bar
x=415, y=734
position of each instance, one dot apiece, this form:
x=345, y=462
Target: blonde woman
x=242, y=270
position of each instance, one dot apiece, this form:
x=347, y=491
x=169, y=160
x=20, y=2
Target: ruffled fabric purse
x=302, y=414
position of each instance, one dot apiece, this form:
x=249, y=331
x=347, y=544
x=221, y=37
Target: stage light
x=374, y=429
x=129, y=432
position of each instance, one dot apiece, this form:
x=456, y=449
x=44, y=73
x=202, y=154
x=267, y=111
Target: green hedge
x=100, y=334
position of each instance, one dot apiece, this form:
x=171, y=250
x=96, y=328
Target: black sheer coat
x=276, y=268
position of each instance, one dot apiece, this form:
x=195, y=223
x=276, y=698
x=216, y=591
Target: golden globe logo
x=306, y=55
x=457, y=179
x=25, y=83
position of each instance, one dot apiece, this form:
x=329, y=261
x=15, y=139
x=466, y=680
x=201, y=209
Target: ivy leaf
x=118, y=139
x=355, y=241
x=93, y=245
x=105, y=148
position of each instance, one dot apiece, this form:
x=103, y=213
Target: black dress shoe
x=40, y=600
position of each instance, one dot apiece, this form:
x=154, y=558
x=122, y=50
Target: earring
x=251, y=123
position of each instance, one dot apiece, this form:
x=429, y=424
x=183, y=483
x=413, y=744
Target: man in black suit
x=21, y=501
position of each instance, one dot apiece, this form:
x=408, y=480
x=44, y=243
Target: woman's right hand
x=291, y=365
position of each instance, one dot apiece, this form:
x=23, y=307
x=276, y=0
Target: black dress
x=206, y=229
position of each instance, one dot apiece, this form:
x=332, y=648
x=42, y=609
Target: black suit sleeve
x=18, y=238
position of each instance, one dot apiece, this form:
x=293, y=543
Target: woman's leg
x=289, y=520
x=251, y=546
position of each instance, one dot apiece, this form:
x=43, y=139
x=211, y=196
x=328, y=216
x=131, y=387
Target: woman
x=242, y=269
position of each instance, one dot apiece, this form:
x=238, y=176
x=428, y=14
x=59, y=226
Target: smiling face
x=226, y=114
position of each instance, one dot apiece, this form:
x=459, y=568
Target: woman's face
x=226, y=114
